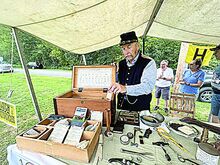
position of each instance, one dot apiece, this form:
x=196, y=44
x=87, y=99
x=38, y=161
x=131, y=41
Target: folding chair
x=182, y=105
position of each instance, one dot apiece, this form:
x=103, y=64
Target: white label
x=94, y=77
x=58, y=133
x=74, y=135
x=206, y=158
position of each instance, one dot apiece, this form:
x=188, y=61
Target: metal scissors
x=181, y=159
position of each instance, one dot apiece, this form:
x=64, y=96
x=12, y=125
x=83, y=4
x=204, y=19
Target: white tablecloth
x=111, y=149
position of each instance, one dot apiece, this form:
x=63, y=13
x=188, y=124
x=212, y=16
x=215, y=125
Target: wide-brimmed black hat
x=127, y=38
x=216, y=48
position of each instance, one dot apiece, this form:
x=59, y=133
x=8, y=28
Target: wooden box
x=40, y=143
x=89, y=90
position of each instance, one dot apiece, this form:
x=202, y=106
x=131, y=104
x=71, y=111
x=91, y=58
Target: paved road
x=46, y=72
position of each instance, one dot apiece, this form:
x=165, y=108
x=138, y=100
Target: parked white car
x=5, y=67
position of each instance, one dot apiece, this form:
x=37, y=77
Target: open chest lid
x=93, y=77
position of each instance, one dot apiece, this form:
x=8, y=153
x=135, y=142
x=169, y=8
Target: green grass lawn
x=202, y=109
x=46, y=89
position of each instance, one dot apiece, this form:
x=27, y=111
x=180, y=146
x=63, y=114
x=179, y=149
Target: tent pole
x=143, y=47
x=27, y=75
x=84, y=59
x=181, y=65
x=153, y=16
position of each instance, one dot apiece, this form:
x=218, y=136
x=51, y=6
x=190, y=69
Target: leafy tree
x=104, y=56
x=51, y=56
x=5, y=43
x=162, y=49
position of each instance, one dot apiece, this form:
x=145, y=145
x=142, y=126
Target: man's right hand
x=117, y=88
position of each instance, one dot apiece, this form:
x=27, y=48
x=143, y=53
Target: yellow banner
x=203, y=52
x=8, y=113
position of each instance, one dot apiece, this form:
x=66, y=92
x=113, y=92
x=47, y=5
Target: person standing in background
x=192, y=78
x=163, y=83
x=215, y=83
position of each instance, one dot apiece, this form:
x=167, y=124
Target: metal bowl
x=152, y=120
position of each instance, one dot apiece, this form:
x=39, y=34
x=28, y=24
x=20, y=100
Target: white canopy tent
x=83, y=26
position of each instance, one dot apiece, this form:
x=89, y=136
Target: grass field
x=46, y=89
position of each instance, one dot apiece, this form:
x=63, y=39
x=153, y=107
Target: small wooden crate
x=89, y=90
x=40, y=144
x=182, y=104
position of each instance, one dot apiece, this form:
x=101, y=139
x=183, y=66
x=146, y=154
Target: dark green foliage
x=37, y=50
x=105, y=56
x=5, y=43
x=212, y=64
x=161, y=49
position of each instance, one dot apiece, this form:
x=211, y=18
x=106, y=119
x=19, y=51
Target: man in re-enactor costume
x=137, y=76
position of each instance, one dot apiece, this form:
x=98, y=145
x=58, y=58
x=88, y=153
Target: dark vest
x=132, y=76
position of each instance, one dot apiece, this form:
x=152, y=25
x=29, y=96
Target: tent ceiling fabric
x=83, y=26
x=193, y=21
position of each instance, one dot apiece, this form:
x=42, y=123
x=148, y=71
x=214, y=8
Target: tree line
x=37, y=50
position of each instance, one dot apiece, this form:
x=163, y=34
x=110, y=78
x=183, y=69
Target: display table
x=112, y=149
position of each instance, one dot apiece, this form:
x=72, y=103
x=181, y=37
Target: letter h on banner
x=199, y=55
x=195, y=51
